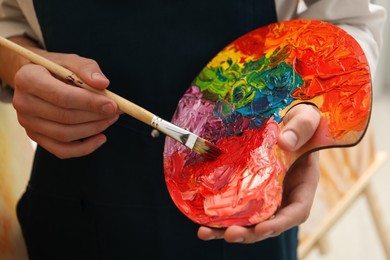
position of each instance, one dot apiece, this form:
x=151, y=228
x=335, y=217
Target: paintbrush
x=190, y=140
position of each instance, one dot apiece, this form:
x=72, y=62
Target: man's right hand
x=65, y=120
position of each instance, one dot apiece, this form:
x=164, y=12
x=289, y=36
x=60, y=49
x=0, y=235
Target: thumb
x=88, y=70
x=300, y=124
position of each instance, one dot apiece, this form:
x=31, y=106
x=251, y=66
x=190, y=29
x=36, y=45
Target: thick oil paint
x=238, y=101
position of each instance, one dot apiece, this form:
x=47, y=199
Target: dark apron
x=113, y=204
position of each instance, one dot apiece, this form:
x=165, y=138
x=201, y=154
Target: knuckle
x=32, y=135
x=56, y=98
x=50, y=146
x=65, y=117
x=88, y=61
x=68, y=60
x=92, y=105
x=26, y=74
x=71, y=57
x=23, y=72
x=19, y=77
x=61, y=152
x=305, y=216
x=63, y=137
x=26, y=122
x=61, y=155
x=18, y=104
x=86, y=64
x=22, y=121
x=57, y=153
x=306, y=122
x=276, y=234
x=103, y=125
x=22, y=78
x=75, y=149
x=59, y=97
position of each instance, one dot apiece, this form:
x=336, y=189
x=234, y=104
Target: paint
x=238, y=100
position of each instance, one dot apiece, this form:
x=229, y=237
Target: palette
x=238, y=101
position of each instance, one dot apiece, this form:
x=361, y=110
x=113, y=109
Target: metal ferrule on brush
x=179, y=134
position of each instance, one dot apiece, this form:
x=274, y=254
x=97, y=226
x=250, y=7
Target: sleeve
x=17, y=17
x=12, y=20
x=360, y=18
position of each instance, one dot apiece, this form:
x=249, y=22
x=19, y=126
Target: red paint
x=252, y=45
x=197, y=186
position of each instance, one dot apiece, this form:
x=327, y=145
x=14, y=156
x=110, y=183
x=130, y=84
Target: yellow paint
x=222, y=57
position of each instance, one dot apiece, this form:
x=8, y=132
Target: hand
x=299, y=186
x=67, y=121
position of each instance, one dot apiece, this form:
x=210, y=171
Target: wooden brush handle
x=125, y=105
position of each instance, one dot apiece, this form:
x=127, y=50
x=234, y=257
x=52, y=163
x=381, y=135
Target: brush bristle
x=206, y=149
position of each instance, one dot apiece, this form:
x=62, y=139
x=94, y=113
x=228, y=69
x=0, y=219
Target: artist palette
x=238, y=101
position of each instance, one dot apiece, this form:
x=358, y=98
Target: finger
x=233, y=234
x=37, y=81
x=45, y=110
x=206, y=233
x=87, y=69
x=287, y=218
x=71, y=149
x=65, y=133
x=298, y=198
x=239, y=234
x=302, y=180
x=300, y=123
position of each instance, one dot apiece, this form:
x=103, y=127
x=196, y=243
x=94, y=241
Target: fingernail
x=98, y=76
x=290, y=138
x=108, y=108
x=268, y=234
x=239, y=240
x=100, y=142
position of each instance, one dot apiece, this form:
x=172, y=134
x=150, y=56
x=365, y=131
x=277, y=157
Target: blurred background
x=354, y=234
